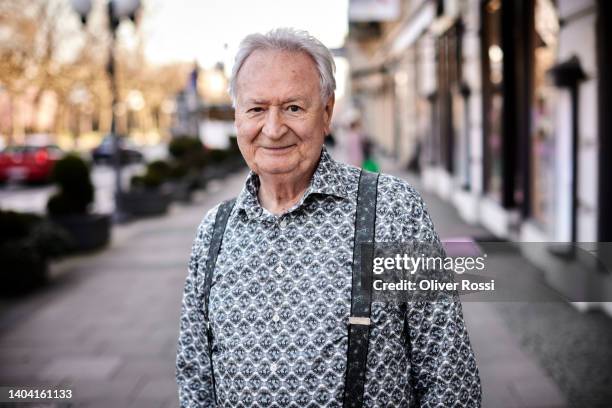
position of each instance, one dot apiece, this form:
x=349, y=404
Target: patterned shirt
x=280, y=302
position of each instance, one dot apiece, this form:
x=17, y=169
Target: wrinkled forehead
x=277, y=75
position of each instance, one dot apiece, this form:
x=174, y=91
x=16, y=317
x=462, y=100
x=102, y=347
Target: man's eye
x=255, y=110
x=294, y=108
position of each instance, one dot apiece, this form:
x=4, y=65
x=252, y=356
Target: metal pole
x=575, y=147
x=118, y=215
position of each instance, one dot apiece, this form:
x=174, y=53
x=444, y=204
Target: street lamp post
x=117, y=10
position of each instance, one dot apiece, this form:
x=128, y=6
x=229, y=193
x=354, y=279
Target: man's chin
x=276, y=169
x=278, y=165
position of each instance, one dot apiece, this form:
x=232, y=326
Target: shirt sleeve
x=442, y=363
x=193, y=367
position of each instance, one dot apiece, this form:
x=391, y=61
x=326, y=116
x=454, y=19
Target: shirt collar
x=327, y=180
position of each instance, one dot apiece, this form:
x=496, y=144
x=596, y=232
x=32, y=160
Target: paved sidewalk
x=510, y=377
x=108, y=326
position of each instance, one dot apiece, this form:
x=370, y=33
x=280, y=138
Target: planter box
x=181, y=192
x=237, y=163
x=222, y=169
x=214, y=172
x=89, y=231
x=23, y=269
x=142, y=203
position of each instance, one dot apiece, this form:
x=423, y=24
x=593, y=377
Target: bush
x=234, y=149
x=178, y=171
x=26, y=242
x=156, y=174
x=159, y=167
x=183, y=146
x=60, y=204
x=76, y=191
x=217, y=156
x=49, y=240
x=188, y=151
x=14, y=225
x=23, y=268
x=147, y=181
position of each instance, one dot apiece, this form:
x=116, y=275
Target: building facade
x=503, y=102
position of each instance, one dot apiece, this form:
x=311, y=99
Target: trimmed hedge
x=27, y=241
x=76, y=191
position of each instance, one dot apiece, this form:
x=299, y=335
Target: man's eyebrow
x=254, y=101
x=296, y=99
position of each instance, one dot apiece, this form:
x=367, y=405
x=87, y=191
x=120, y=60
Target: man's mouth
x=278, y=148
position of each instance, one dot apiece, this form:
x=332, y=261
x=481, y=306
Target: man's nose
x=274, y=126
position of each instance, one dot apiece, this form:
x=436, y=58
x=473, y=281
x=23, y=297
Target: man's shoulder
x=211, y=214
x=348, y=173
x=390, y=188
x=207, y=224
x=401, y=205
x=393, y=188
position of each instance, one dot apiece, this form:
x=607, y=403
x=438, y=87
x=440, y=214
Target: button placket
x=283, y=223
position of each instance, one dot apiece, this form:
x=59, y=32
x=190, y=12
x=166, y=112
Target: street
x=28, y=198
x=33, y=198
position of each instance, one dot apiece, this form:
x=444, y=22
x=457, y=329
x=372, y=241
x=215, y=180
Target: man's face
x=281, y=120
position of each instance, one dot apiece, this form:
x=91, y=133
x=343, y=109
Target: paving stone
x=120, y=403
x=90, y=368
x=150, y=367
x=91, y=389
x=158, y=388
x=148, y=403
x=538, y=394
x=131, y=348
x=497, y=393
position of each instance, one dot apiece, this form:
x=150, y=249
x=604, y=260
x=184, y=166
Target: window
x=493, y=98
x=546, y=29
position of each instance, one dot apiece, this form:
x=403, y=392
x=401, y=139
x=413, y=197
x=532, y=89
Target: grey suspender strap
x=223, y=214
x=361, y=296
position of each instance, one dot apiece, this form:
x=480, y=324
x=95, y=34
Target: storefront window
x=426, y=104
x=542, y=136
x=493, y=97
x=450, y=116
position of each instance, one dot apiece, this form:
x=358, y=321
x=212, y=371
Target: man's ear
x=327, y=114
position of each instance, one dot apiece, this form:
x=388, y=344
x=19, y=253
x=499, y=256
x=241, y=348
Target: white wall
x=578, y=38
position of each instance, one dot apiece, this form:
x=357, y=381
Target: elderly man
x=273, y=314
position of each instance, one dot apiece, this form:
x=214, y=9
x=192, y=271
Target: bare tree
x=44, y=49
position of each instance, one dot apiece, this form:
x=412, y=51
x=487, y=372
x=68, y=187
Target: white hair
x=292, y=40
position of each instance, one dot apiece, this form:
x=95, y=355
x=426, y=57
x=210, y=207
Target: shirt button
x=275, y=318
x=279, y=269
x=283, y=223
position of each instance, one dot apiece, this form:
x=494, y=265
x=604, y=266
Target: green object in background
x=370, y=165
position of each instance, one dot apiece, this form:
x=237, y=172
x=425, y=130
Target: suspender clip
x=364, y=321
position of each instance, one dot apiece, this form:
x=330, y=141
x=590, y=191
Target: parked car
x=28, y=163
x=104, y=152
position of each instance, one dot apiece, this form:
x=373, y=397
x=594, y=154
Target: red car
x=28, y=163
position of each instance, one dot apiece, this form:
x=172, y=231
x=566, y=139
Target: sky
x=188, y=30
